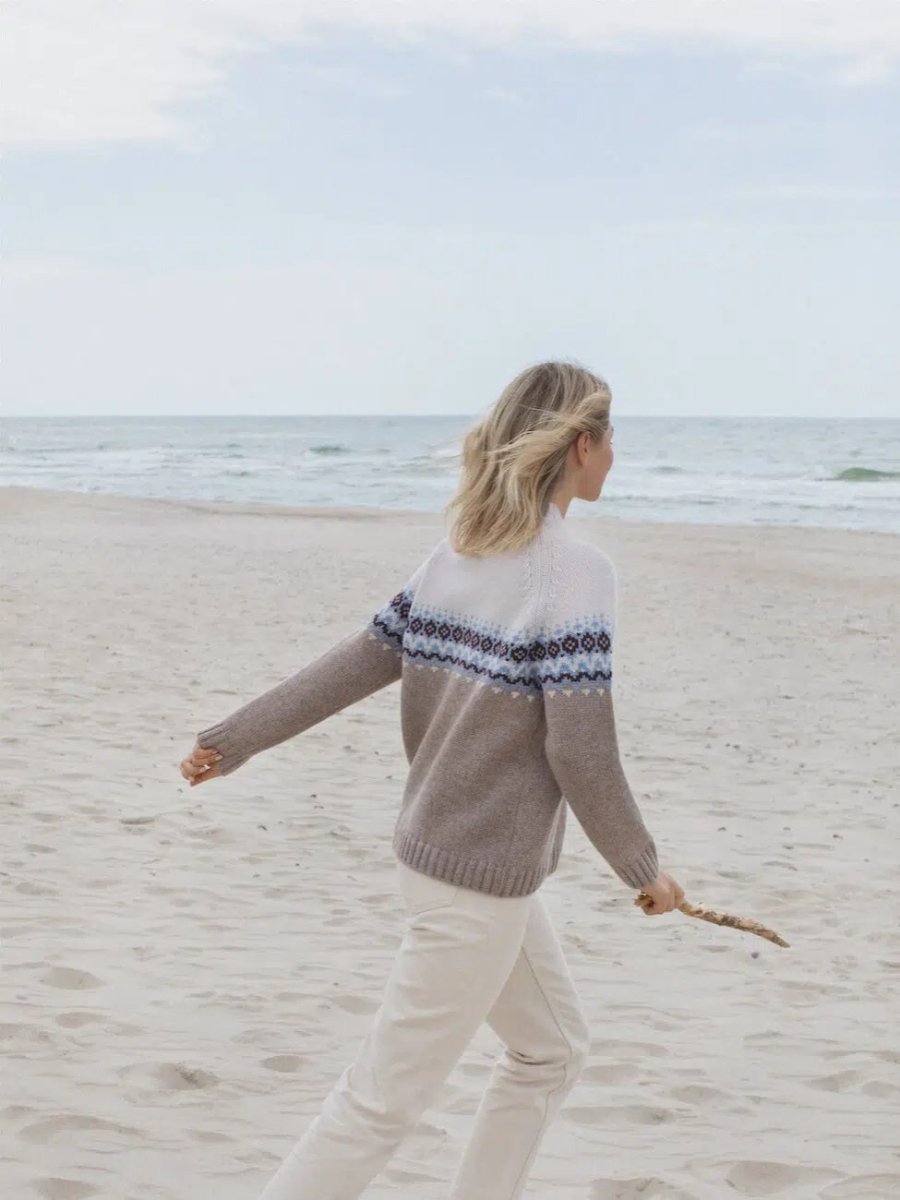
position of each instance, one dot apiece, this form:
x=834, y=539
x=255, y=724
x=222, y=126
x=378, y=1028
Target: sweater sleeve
x=366, y=659
x=581, y=743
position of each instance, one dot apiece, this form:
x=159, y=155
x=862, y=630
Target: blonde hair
x=514, y=458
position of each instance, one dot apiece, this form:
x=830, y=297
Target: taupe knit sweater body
x=505, y=669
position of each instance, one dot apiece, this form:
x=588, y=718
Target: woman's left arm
x=365, y=660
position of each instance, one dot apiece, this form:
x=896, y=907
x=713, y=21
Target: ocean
x=839, y=474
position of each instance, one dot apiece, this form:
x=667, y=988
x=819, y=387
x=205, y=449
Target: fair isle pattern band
x=573, y=656
x=390, y=621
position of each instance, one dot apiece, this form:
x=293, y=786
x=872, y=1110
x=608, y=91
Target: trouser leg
x=539, y=1019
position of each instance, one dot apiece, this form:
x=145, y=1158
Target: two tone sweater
x=506, y=712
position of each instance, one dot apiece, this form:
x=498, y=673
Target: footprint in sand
x=880, y=1089
x=282, y=1062
x=356, y=1004
x=17, y=1110
x=170, y=1077
x=77, y=1018
x=698, y=1093
x=209, y=1135
x=761, y=1178
x=44, y=1131
x=71, y=977
x=34, y=889
x=64, y=1189
x=597, y=1116
x=840, y=1081
x=648, y=1188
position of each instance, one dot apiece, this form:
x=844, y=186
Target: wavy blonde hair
x=514, y=458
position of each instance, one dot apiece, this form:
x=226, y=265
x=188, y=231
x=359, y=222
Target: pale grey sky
x=382, y=207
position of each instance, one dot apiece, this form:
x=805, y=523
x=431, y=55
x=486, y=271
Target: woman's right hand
x=665, y=895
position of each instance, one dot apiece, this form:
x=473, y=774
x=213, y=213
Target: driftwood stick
x=707, y=914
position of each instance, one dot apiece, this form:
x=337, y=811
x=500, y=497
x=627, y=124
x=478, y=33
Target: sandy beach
x=186, y=971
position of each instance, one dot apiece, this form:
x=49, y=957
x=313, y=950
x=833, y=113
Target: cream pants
x=465, y=957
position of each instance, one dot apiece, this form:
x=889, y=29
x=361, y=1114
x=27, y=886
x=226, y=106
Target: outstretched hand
x=201, y=765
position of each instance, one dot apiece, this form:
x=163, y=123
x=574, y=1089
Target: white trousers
x=466, y=957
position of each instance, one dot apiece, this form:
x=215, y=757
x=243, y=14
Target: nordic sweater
x=506, y=711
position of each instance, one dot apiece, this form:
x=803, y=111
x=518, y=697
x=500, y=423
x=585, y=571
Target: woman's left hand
x=200, y=765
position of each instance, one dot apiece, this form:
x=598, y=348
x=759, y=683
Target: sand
x=186, y=972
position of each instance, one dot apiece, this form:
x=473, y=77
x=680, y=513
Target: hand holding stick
x=717, y=918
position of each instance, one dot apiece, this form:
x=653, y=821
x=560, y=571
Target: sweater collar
x=554, y=525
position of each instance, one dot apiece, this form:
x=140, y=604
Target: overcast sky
x=268, y=206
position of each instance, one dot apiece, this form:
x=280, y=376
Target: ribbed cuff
x=641, y=870
x=216, y=737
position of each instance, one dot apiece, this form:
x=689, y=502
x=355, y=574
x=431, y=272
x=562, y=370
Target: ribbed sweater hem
x=498, y=879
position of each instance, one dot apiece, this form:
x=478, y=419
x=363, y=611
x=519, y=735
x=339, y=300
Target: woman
x=502, y=639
